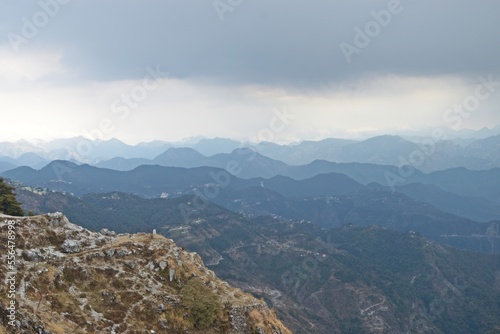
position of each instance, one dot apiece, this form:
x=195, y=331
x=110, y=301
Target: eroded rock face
x=72, y=280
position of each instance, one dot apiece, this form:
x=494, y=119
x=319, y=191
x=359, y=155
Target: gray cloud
x=275, y=42
x=225, y=78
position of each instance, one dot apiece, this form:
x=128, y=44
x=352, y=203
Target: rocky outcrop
x=71, y=246
x=72, y=280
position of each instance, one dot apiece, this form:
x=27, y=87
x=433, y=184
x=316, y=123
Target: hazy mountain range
x=471, y=194
x=363, y=243
x=425, y=153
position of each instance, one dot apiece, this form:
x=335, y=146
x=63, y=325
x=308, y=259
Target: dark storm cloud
x=277, y=42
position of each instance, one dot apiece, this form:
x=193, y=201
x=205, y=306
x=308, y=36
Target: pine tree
x=8, y=202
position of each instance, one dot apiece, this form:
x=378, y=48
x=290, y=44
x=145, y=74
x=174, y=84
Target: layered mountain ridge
x=480, y=152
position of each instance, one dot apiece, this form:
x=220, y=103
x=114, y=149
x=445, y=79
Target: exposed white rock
x=108, y=233
x=71, y=246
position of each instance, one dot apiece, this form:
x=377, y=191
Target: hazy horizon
x=466, y=133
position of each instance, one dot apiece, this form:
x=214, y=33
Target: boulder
x=71, y=246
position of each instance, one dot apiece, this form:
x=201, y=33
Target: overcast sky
x=171, y=69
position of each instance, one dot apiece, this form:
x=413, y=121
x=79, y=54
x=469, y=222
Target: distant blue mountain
x=477, y=154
